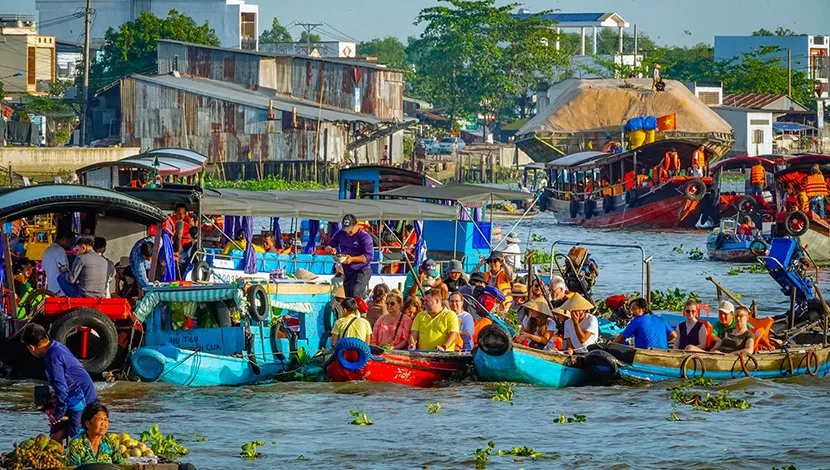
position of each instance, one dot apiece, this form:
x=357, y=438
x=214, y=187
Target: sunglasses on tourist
x=691, y=311
x=390, y=303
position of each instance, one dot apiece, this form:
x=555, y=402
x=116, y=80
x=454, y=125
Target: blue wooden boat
x=614, y=362
x=276, y=320
x=498, y=359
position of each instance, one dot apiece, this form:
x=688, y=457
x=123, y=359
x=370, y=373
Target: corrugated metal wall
x=155, y=116
x=216, y=64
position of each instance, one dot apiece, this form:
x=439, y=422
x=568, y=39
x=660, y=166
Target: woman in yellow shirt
x=351, y=325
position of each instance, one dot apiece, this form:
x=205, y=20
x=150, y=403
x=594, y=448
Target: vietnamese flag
x=667, y=123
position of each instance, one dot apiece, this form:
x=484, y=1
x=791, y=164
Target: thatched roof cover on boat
x=461, y=193
x=596, y=105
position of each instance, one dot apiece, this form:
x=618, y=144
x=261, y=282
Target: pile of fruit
x=40, y=452
x=129, y=447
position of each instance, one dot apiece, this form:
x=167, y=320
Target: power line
x=342, y=33
x=309, y=27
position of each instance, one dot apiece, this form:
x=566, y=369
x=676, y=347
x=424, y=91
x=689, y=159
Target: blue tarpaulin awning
x=790, y=127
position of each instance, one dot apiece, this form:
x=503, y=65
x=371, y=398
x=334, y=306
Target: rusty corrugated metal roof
x=755, y=100
x=257, y=98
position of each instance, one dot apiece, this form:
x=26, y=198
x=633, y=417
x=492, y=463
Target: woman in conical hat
x=538, y=326
x=582, y=328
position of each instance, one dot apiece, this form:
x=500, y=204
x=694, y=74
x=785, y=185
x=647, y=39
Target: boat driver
x=357, y=250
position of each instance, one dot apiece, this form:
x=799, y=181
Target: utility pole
x=309, y=27
x=85, y=89
x=789, y=73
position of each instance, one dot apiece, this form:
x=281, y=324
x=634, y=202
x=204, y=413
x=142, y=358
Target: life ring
x=494, y=340
x=259, y=305
x=630, y=197
x=98, y=337
x=758, y=248
x=290, y=335
x=796, y=224
x=604, y=363
x=608, y=203
x=589, y=206
x=357, y=346
x=573, y=209
x=697, y=361
x=746, y=205
x=811, y=354
x=694, y=189
x=201, y=271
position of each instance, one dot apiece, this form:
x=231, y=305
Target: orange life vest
x=803, y=202
x=758, y=176
x=698, y=159
x=662, y=175
x=629, y=180
x=478, y=327
x=672, y=160
x=171, y=227
x=815, y=185
x=502, y=284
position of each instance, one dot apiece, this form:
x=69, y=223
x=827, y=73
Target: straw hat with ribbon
x=538, y=305
x=519, y=290
x=577, y=302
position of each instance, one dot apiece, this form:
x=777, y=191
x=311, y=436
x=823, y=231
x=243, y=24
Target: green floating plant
x=361, y=419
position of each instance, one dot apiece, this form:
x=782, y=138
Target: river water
x=306, y=425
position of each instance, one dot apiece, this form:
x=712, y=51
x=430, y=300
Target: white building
x=340, y=49
x=235, y=22
x=752, y=127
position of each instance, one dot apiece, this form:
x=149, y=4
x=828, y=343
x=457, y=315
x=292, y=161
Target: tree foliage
x=132, y=48
x=277, y=33
x=389, y=50
x=475, y=56
x=305, y=37
x=759, y=72
x=780, y=31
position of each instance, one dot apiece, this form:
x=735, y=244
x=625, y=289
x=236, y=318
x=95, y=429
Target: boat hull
x=531, y=366
x=412, y=368
x=817, y=240
x=731, y=249
x=184, y=367
x=664, y=210
x=652, y=365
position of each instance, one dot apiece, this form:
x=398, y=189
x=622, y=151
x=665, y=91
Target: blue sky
x=679, y=22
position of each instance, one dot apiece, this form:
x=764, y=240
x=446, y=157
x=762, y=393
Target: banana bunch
x=39, y=452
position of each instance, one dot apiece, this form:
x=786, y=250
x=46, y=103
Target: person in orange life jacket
x=699, y=162
x=757, y=180
x=269, y=244
x=499, y=275
x=671, y=163
x=816, y=190
x=629, y=179
x=171, y=225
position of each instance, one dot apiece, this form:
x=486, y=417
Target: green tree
x=475, y=56
x=305, y=37
x=694, y=63
x=389, y=50
x=758, y=72
x=277, y=33
x=132, y=48
x=780, y=31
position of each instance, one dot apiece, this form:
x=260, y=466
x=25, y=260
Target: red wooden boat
x=662, y=202
x=353, y=359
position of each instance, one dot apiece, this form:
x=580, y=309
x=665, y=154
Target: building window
x=709, y=98
x=758, y=136
x=31, y=68
x=248, y=33
x=759, y=122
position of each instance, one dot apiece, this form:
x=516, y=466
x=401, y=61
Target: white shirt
x=53, y=259
x=513, y=256
x=656, y=73
x=589, y=324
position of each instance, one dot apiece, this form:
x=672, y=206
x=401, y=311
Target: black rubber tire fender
x=608, y=203
x=750, y=202
x=290, y=335
x=104, y=328
x=758, y=248
x=631, y=197
x=602, y=358
x=573, y=209
x=589, y=206
x=494, y=340
x=720, y=240
x=259, y=305
x=201, y=272
x=793, y=216
x=694, y=189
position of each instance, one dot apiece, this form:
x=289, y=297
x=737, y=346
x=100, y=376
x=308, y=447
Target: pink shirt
x=383, y=332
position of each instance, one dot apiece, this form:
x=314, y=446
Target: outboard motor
x=580, y=271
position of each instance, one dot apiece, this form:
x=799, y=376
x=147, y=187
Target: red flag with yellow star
x=667, y=123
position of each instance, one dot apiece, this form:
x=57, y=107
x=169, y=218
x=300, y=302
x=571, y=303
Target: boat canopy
x=743, y=162
x=49, y=198
x=648, y=155
x=798, y=167
x=171, y=162
x=461, y=193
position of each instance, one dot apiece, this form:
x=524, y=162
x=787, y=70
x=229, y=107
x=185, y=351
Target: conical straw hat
x=577, y=302
x=539, y=305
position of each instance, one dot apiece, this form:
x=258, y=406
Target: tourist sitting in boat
x=357, y=250
x=334, y=309
x=454, y=278
x=558, y=291
x=88, y=277
x=726, y=319
x=391, y=331
x=269, y=243
x=747, y=227
x=54, y=261
x=436, y=328
x=465, y=320
x=375, y=306
x=487, y=301
x=692, y=334
x=239, y=243
x=472, y=290
x=412, y=307
x=513, y=252
x=93, y=445
x=70, y=382
x=499, y=276
x=100, y=247
x=427, y=278
x=739, y=340
x=647, y=329
x=351, y=325
x=519, y=293
x=581, y=328
x=538, y=327
x=140, y=261
x=537, y=292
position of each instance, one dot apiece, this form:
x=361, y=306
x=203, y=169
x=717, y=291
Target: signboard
x=358, y=100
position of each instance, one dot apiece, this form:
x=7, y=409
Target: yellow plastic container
x=636, y=139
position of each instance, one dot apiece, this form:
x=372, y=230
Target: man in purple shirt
x=359, y=250
x=71, y=383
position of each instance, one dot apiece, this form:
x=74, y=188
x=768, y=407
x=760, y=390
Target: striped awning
x=211, y=293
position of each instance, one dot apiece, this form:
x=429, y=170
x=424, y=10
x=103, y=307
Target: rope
x=176, y=365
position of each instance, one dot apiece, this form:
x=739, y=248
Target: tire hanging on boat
x=796, y=224
x=811, y=354
x=573, y=209
x=685, y=364
x=290, y=335
x=259, y=305
x=590, y=206
x=608, y=203
x=104, y=331
x=201, y=272
x=694, y=189
x=355, y=345
x=494, y=340
x=630, y=197
x=746, y=202
x=758, y=248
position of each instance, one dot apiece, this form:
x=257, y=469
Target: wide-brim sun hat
x=513, y=238
x=559, y=311
x=577, y=302
x=538, y=305
x=519, y=290
x=455, y=266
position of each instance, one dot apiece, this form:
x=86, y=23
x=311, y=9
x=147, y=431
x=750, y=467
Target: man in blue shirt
x=71, y=383
x=358, y=250
x=647, y=329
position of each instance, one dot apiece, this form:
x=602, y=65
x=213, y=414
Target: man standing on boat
x=816, y=190
x=699, y=162
x=672, y=162
x=358, y=250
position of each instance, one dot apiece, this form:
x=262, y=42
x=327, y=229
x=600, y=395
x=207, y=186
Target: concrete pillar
x=620, y=46
x=582, y=43
x=595, y=41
